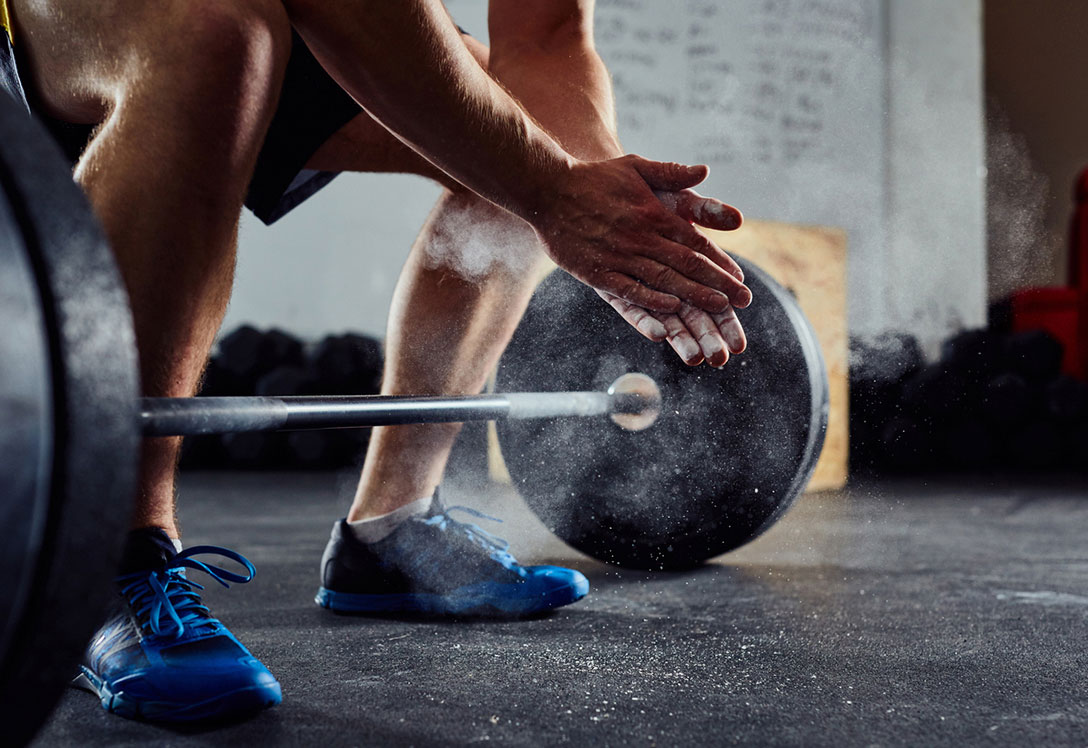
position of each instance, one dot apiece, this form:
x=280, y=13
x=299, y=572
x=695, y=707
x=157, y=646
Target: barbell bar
x=633, y=401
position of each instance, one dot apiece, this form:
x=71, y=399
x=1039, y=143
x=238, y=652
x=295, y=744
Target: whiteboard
x=783, y=99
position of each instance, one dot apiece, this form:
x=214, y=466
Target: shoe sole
x=479, y=599
x=233, y=704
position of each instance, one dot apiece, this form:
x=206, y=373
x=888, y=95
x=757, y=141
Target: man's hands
x=604, y=225
x=695, y=335
x=650, y=263
x=625, y=227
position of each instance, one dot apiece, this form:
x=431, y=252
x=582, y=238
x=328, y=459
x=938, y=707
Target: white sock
x=373, y=529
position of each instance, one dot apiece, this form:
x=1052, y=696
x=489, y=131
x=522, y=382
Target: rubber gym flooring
x=943, y=612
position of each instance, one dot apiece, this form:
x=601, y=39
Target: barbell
x=633, y=402
x=689, y=464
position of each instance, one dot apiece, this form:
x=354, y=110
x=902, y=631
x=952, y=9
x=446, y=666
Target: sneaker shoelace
x=164, y=598
x=497, y=547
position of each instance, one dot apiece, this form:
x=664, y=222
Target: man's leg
x=474, y=267
x=460, y=296
x=184, y=90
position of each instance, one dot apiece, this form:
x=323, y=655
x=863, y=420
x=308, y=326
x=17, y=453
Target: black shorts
x=312, y=107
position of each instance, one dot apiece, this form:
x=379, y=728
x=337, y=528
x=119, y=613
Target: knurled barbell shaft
x=190, y=416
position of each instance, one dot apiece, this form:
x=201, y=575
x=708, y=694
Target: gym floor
x=937, y=612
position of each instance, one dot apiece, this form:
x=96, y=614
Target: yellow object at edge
x=5, y=20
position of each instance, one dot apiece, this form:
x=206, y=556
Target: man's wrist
x=536, y=199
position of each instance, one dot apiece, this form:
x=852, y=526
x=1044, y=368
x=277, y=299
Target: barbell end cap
x=645, y=395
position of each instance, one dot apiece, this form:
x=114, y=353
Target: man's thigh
x=115, y=50
x=78, y=56
x=73, y=91
x=114, y=47
x=72, y=85
x=317, y=131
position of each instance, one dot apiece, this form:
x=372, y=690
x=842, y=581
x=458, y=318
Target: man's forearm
x=409, y=68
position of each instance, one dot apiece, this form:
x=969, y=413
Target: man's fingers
x=729, y=265
x=692, y=275
x=679, y=272
x=707, y=278
x=704, y=211
x=630, y=290
x=731, y=330
x=693, y=334
x=640, y=319
x=688, y=236
x=706, y=334
x=678, y=203
x=710, y=213
x=681, y=340
x=667, y=175
x=721, y=258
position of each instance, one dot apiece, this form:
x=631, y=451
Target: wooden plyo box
x=811, y=262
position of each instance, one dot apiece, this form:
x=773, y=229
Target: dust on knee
x=475, y=239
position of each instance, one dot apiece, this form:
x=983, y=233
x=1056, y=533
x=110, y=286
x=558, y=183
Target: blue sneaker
x=436, y=565
x=162, y=656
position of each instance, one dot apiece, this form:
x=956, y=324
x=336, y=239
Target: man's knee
x=476, y=241
x=117, y=48
x=238, y=47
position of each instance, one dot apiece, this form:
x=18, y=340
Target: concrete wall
x=916, y=219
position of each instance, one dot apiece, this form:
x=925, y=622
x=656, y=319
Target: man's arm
x=543, y=51
x=404, y=62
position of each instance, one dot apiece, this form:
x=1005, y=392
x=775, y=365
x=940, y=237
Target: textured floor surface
x=950, y=612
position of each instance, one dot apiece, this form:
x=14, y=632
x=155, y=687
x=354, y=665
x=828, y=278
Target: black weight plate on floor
x=26, y=424
x=81, y=508
x=731, y=451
